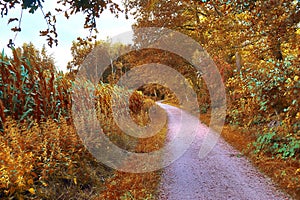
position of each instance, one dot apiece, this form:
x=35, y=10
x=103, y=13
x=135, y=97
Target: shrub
x=30, y=88
x=266, y=93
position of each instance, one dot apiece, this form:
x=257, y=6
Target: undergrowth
x=42, y=156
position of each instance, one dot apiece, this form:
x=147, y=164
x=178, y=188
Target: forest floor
x=223, y=174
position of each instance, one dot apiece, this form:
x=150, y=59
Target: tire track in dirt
x=221, y=175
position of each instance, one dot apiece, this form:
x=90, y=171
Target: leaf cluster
x=30, y=87
x=266, y=95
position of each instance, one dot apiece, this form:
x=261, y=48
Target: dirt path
x=221, y=175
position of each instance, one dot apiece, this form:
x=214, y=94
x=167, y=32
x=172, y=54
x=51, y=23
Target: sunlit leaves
x=265, y=85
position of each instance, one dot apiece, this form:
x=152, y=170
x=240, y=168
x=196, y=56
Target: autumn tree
x=255, y=44
x=109, y=56
x=91, y=9
x=225, y=28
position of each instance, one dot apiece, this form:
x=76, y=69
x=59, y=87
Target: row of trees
x=255, y=45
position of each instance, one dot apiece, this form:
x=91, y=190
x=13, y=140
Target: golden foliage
x=136, y=186
x=255, y=45
x=41, y=154
x=30, y=156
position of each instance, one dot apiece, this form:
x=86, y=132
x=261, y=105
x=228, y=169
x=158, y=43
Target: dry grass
x=136, y=185
x=47, y=160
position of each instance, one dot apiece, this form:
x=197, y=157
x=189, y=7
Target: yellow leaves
x=243, y=16
x=151, y=4
x=296, y=78
x=30, y=158
x=44, y=183
x=4, y=180
x=3, y=168
x=31, y=190
x=20, y=181
x=298, y=115
x=75, y=180
x=21, y=166
x=202, y=18
x=298, y=31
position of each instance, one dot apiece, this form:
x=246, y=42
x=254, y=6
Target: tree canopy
x=225, y=26
x=91, y=9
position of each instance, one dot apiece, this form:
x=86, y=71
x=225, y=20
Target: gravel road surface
x=223, y=174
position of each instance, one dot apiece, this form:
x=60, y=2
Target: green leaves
x=25, y=114
x=30, y=91
x=268, y=91
x=270, y=142
x=2, y=54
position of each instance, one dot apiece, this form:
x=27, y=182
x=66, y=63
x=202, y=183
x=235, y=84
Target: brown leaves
x=2, y=114
x=66, y=15
x=16, y=29
x=12, y=19
x=44, y=33
x=31, y=81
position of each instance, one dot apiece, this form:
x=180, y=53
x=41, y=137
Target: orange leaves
x=30, y=156
x=16, y=29
x=136, y=186
x=131, y=186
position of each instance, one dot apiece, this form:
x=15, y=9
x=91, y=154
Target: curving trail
x=221, y=175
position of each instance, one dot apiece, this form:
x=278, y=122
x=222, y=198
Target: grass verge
x=137, y=185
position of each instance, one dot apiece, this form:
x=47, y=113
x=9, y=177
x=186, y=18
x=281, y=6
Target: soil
x=223, y=174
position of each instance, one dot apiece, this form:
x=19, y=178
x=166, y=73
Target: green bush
x=267, y=93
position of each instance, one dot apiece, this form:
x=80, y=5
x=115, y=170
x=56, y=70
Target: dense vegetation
x=41, y=154
x=255, y=45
